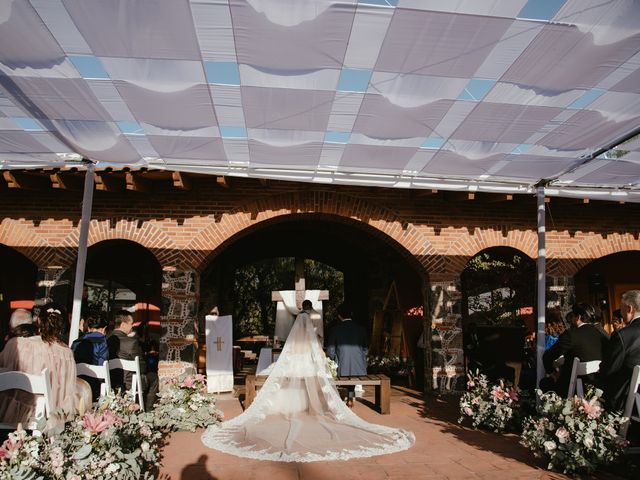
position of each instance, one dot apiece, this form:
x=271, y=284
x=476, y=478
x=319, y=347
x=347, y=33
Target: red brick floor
x=443, y=450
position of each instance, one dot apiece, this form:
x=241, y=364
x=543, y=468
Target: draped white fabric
x=479, y=95
x=298, y=416
x=219, y=336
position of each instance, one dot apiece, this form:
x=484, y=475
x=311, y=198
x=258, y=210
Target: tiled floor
x=443, y=450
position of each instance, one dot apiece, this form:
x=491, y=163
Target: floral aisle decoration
x=186, y=405
x=575, y=435
x=392, y=365
x=332, y=368
x=498, y=407
x=112, y=440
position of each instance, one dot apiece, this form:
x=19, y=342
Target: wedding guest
x=21, y=324
x=582, y=340
x=33, y=354
x=124, y=344
x=347, y=345
x=92, y=348
x=622, y=353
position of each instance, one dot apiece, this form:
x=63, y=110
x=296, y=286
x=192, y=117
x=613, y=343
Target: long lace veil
x=298, y=415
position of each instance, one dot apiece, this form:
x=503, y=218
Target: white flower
x=549, y=446
x=588, y=441
x=112, y=468
x=144, y=446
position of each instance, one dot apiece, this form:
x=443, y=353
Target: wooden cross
x=299, y=286
x=219, y=343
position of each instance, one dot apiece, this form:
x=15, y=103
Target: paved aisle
x=443, y=450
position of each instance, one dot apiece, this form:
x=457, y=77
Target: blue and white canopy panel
x=487, y=95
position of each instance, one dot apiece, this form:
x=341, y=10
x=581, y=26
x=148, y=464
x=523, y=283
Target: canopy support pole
x=78, y=288
x=542, y=284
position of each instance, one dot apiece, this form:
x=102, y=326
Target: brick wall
x=437, y=233
x=184, y=228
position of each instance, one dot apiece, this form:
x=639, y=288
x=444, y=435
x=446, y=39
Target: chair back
x=96, y=371
x=132, y=366
x=39, y=385
x=633, y=402
x=580, y=369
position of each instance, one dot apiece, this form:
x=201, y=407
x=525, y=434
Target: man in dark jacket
x=92, y=348
x=125, y=346
x=347, y=344
x=622, y=353
x=583, y=340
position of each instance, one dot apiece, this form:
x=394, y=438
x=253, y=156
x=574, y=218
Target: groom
x=347, y=345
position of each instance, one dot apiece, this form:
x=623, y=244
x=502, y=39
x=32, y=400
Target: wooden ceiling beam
x=223, y=182
x=108, y=182
x=137, y=183
x=460, y=196
x=496, y=197
x=22, y=180
x=181, y=180
x=66, y=182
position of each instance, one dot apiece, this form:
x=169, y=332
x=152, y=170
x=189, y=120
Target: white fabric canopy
x=475, y=95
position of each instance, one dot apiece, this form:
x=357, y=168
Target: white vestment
x=219, y=335
x=298, y=416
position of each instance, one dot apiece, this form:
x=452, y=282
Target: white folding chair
x=39, y=385
x=96, y=371
x=580, y=369
x=136, y=381
x=633, y=400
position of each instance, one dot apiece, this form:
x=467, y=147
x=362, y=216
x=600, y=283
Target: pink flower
x=591, y=408
x=513, y=394
x=9, y=446
x=134, y=407
x=199, y=378
x=471, y=384
x=498, y=394
x=188, y=382
x=475, y=401
x=562, y=434
x=468, y=411
x=95, y=423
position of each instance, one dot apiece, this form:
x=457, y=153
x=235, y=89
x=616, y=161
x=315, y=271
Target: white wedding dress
x=298, y=416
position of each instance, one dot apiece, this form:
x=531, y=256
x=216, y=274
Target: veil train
x=298, y=416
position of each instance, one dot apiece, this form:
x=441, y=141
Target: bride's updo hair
x=53, y=320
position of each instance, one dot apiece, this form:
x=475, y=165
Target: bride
x=298, y=415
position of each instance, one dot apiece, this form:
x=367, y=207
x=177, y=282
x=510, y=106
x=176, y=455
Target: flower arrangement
x=496, y=407
x=332, y=368
x=186, y=405
x=575, y=435
x=389, y=364
x=114, y=439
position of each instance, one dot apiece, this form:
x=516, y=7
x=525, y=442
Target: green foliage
x=252, y=286
x=497, y=285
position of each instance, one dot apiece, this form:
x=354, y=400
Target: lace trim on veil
x=298, y=416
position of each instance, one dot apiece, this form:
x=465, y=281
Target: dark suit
x=585, y=342
x=621, y=355
x=347, y=344
x=125, y=348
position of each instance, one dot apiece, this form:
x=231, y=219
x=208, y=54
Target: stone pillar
x=53, y=284
x=560, y=293
x=178, y=344
x=448, y=373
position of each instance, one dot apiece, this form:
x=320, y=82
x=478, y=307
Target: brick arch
x=464, y=248
x=339, y=207
x=148, y=236
x=590, y=249
x=26, y=240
